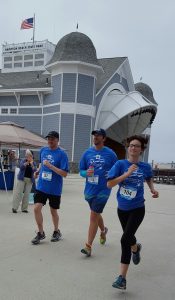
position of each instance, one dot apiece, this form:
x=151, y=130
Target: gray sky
x=141, y=30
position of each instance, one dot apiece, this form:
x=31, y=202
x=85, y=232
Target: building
x=75, y=93
x=25, y=57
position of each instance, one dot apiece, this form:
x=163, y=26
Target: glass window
x=28, y=57
x=13, y=110
x=8, y=58
x=7, y=66
x=18, y=65
x=39, y=63
x=4, y=110
x=28, y=64
x=18, y=57
x=38, y=56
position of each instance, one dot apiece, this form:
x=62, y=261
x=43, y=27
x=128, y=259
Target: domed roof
x=75, y=46
x=145, y=90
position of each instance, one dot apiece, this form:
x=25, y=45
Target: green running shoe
x=103, y=236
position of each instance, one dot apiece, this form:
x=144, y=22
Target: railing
x=166, y=176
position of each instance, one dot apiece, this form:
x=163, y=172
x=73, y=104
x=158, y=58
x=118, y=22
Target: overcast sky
x=144, y=31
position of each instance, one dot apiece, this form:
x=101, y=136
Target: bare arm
x=111, y=183
x=155, y=194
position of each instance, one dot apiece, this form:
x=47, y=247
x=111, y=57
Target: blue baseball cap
x=99, y=132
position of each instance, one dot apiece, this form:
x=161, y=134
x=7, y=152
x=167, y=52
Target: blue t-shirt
x=50, y=182
x=130, y=194
x=102, y=161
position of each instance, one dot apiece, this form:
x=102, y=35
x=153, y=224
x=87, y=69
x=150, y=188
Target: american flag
x=27, y=23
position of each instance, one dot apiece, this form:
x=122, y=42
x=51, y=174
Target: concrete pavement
x=60, y=271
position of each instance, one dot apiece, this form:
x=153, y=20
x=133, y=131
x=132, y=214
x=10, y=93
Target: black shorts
x=54, y=200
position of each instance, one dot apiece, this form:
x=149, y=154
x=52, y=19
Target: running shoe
x=86, y=250
x=103, y=236
x=120, y=283
x=40, y=236
x=136, y=255
x=56, y=236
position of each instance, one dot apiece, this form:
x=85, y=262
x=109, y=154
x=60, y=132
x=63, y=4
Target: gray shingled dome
x=75, y=46
x=145, y=90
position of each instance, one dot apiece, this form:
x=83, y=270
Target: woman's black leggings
x=130, y=221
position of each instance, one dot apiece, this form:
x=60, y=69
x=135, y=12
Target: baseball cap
x=53, y=134
x=99, y=132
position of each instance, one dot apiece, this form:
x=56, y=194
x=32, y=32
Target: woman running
x=130, y=175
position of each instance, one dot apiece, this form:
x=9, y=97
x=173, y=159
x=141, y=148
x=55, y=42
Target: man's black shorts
x=54, y=201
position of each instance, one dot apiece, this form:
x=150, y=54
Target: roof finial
x=141, y=78
x=77, y=27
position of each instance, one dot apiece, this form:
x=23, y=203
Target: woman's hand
x=155, y=194
x=36, y=174
x=131, y=169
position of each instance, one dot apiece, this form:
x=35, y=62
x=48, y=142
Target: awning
x=123, y=115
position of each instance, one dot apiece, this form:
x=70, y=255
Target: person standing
x=25, y=179
x=94, y=166
x=130, y=175
x=53, y=167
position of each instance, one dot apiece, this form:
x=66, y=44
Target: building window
x=7, y=66
x=13, y=110
x=28, y=64
x=8, y=58
x=39, y=56
x=28, y=57
x=18, y=65
x=4, y=110
x=17, y=57
x=39, y=63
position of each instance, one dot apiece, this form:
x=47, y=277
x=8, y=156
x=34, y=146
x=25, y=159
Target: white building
x=26, y=56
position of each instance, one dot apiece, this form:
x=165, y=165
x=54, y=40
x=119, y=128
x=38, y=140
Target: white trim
x=17, y=96
x=94, y=96
x=30, y=106
x=50, y=105
x=61, y=97
x=73, y=71
x=52, y=113
x=72, y=62
x=30, y=115
x=23, y=115
x=42, y=121
x=40, y=97
x=77, y=108
x=111, y=77
x=27, y=90
x=76, y=94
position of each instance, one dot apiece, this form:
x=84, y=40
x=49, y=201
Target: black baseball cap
x=53, y=134
x=99, y=132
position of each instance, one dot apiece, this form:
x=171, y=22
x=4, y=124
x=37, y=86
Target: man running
x=94, y=166
x=53, y=167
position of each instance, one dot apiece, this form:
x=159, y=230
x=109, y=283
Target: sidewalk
x=60, y=271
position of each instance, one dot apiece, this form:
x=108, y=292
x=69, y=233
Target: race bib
x=47, y=176
x=93, y=179
x=128, y=192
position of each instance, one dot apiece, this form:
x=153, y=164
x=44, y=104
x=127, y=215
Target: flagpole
x=33, y=28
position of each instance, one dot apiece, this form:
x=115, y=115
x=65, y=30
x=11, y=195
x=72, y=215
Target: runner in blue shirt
x=130, y=175
x=53, y=167
x=94, y=166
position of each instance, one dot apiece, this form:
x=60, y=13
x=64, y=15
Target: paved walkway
x=59, y=271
